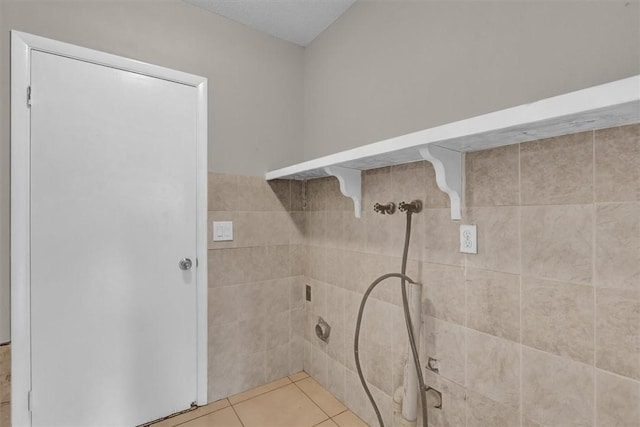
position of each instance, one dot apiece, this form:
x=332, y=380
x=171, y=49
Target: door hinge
x=30, y=401
x=28, y=96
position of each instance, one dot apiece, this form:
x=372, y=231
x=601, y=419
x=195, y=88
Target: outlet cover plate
x=222, y=231
x=468, y=239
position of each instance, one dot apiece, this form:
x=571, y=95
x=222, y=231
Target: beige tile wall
x=255, y=283
x=540, y=328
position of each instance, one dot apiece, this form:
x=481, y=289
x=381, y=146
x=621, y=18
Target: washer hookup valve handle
x=387, y=209
x=413, y=207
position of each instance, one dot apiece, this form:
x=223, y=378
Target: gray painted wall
x=255, y=80
x=387, y=68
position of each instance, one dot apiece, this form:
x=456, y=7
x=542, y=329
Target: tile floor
x=294, y=401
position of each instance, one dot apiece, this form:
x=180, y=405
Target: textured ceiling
x=298, y=21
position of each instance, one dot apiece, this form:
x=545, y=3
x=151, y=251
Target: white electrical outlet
x=468, y=239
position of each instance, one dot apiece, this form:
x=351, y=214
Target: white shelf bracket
x=449, y=169
x=350, y=185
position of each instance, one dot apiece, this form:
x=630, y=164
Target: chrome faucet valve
x=387, y=209
x=413, y=207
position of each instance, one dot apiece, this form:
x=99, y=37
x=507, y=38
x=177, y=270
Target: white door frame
x=21, y=46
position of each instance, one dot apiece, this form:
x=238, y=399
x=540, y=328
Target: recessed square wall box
x=222, y=231
x=468, y=239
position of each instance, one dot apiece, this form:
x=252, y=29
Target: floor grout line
x=346, y=410
x=189, y=411
x=233, y=405
x=201, y=416
x=265, y=392
x=314, y=402
x=237, y=415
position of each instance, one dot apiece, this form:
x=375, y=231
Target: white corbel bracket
x=350, y=185
x=448, y=166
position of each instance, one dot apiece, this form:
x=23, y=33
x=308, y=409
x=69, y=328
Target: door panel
x=113, y=210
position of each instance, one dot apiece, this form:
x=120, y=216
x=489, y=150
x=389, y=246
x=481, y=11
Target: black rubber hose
x=405, y=304
x=356, y=343
x=407, y=318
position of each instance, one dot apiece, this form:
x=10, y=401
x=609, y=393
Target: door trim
x=21, y=46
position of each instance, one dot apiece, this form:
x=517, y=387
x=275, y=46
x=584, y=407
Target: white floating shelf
x=612, y=104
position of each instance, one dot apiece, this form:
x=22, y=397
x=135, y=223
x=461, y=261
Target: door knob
x=185, y=264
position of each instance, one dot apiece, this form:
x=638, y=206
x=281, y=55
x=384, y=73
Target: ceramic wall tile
x=445, y=343
x=558, y=318
x=617, y=401
x=617, y=158
x=557, y=242
x=493, y=177
x=618, y=246
x=618, y=331
x=557, y=170
x=498, y=239
x=443, y=293
x=493, y=367
x=277, y=195
x=556, y=391
x=484, y=412
x=493, y=303
x=223, y=192
x=5, y=373
x=441, y=238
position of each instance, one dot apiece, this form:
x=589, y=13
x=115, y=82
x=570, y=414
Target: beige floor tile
x=240, y=397
x=298, y=376
x=349, y=419
x=223, y=418
x=327, y=423
x=196, y=413
x=321, y=396
x=285, y=406
x=220, y=404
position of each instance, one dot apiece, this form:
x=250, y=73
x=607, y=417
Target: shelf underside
x=617, y=115
x=599, y=107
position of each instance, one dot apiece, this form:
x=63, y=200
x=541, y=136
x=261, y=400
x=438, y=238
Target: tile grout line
x=237, y=415
x=466, y=338
x=314, y=402
x=613, y=374
x=198, y=417
x=465, y=271
x=260, y=394
x=593, y=270
x=561, y=357
x=190, y=411
x=340, y=413
x=520, y=349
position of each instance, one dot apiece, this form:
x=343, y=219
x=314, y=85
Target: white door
x=113, y=212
